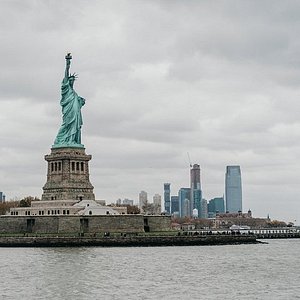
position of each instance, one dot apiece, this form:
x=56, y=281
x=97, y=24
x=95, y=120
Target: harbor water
x=256, y=271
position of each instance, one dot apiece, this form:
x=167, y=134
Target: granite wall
x=83, y=224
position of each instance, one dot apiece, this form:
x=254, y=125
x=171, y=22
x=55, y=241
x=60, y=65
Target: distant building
x=167, y=197
x=196, y=192
x=143, y=200
x=195, y=213
x=2, y=197
x=247, y=215
x=216, y=205
x=203, y=213
x=197, y=200
x=176, y=214
x=128, y=202
x=233, y=189
x=184, y=196
x=157, y=204
x=124, y=202
x=186, y=208
x=225, y=220
x=174, y=205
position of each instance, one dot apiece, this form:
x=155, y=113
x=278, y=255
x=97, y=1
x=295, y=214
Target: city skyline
x=220, y=80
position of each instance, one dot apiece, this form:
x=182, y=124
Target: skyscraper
x=233, y=189
x=203, y=213
x=143, y=199
x=157, y=204
x=196, y=193
x=216, y=205
x=184, y=196
x=167, y=197
x=174, y=204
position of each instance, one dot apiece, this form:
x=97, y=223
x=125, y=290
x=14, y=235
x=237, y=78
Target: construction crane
x=189, y=160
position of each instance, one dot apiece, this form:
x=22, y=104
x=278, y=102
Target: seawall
x=124, y=241
x=64, y=224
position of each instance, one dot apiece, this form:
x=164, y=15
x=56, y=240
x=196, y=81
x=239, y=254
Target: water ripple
x=207, y=272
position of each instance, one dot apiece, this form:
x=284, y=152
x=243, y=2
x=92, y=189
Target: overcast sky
x=217, y=79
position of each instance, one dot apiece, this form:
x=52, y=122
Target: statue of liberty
x=69, y=134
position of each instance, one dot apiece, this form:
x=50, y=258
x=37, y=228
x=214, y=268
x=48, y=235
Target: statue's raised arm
x=68, y=63
x=69, y=134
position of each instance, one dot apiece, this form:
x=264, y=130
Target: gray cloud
x=219, y=80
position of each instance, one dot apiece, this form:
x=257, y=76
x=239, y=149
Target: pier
x=260, y=233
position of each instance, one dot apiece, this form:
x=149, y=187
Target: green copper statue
x=69, y=134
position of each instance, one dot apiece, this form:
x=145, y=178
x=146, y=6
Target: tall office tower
x=233, y=189
x=143, y=200
x=186, y=208
x=167, y=197
x=203, y=213
x=196, y=193
x=157, y=204
x=216, y=205
x=174, y=204
x=184, y=196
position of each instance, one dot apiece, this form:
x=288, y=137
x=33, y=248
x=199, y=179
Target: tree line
x=25, y=202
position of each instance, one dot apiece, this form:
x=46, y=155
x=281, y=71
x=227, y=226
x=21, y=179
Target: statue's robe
x=69, y=133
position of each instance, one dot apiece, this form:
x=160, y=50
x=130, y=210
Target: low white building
x=66, y=207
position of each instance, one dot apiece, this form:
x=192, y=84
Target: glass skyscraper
x=233, y=189
x=174, y=204
x=167, y=197
x=215, y=205
x=184, y=196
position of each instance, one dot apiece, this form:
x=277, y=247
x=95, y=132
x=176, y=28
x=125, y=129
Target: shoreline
x=131, y=241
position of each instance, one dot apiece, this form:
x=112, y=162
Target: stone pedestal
x=68, y=175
